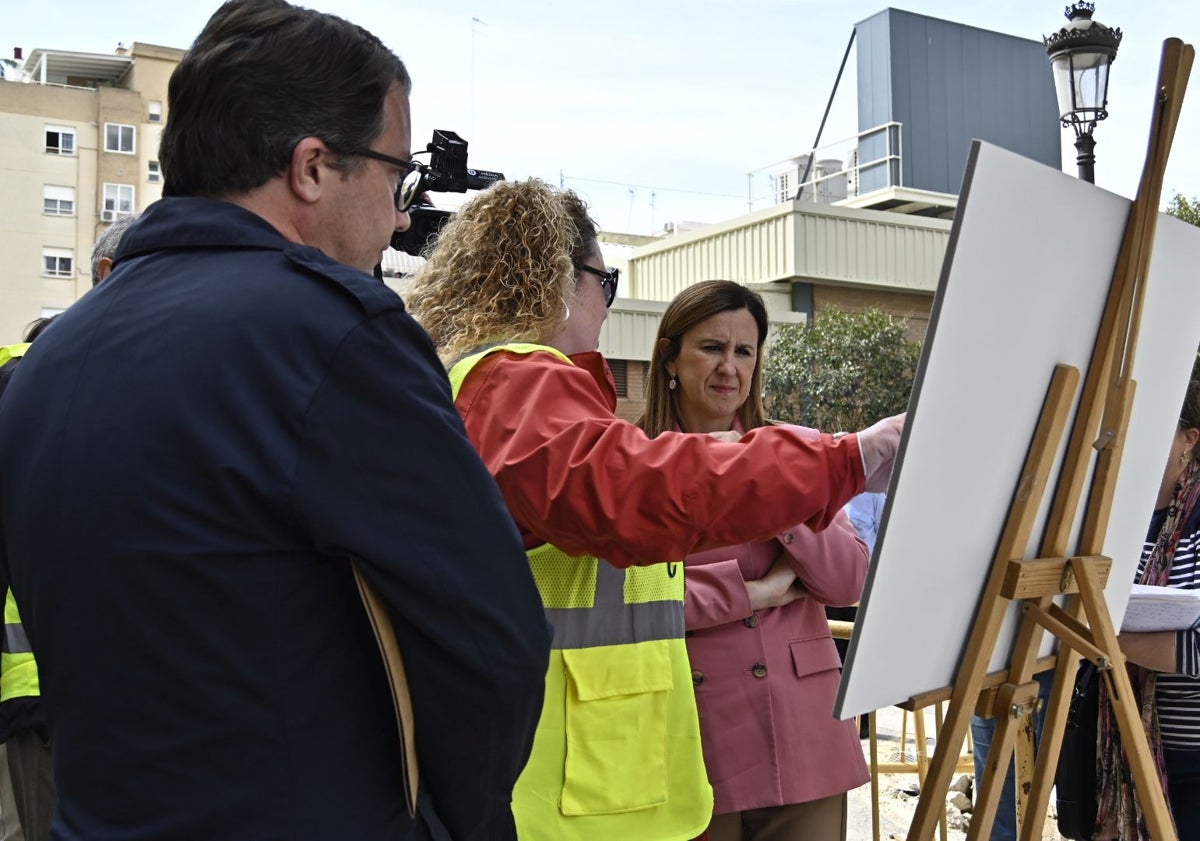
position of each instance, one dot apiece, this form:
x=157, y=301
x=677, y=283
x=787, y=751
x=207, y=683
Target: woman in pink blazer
x=765, y=668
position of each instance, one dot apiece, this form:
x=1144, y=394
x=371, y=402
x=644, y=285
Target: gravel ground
x=898, y=793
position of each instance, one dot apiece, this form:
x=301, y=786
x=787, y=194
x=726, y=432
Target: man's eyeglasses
x=608, y=282
x=410, y=187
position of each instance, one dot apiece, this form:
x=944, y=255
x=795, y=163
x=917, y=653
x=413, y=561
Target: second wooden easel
x=1083, y=625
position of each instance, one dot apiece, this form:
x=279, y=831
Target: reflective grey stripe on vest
x=612, y=622
x=15, y=641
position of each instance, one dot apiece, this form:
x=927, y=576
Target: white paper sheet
x=1161, y=609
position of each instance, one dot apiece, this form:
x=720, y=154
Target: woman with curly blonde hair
x=506, y=270
x=514, y=297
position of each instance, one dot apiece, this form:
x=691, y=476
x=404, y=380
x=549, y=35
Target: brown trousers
x=31, y=768
x=10, y=826
x=817, y=820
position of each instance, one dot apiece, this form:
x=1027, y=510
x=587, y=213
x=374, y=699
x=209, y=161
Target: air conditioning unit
x=108, y=215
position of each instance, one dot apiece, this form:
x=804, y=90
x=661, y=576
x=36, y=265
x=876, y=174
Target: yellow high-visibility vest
x=10, y=352
x=18, y=671
x=617, y=753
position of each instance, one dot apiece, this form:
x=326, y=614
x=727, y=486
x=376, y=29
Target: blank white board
x=1023, y=286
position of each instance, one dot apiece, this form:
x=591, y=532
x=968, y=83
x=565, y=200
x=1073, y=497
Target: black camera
x=447, y=172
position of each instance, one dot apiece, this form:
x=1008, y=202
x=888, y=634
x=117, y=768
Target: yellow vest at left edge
x=18, y=671
x=617, y=754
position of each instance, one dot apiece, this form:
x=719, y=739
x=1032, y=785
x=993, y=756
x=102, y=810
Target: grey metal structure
x=947, y=84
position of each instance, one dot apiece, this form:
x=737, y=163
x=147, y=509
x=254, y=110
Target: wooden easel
x=1083, y=625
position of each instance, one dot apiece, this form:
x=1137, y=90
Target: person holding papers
x=1164, y=666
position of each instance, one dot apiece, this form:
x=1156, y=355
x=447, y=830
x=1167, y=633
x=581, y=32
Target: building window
x=118, y=138
x=620, y=372
x=155, y=111
x=58, y=201
x=153, y=172
x=118, y=202
x=58, y=262
x=60, y=140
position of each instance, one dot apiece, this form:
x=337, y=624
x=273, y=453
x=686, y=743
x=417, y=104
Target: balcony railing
x=844, y=169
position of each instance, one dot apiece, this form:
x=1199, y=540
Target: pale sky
x=655, y=111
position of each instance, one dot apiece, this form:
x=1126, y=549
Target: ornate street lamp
x=1080, y=54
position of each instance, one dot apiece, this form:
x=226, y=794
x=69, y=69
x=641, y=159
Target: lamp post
x=1080, y=54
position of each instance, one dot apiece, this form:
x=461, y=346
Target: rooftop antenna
x=475, y=24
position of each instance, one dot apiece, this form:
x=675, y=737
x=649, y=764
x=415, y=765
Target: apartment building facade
x=80, y=133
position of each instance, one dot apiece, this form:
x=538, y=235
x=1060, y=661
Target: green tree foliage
x=846, y=371
x=1188, y=211
x=1181, y=208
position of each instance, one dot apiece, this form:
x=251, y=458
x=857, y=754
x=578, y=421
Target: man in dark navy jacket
x=193, y=455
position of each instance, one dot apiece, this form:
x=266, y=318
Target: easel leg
x=1133, y=738
x=1025, y=758
x=874, y=740
x=922, y=755
x=1013, y=707
x=1053, y=726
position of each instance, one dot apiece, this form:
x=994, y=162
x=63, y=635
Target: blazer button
x=697, y=678
x=751, y=621
x=789, y=537
x=759, y=670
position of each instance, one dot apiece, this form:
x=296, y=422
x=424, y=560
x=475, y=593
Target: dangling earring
x=1184, y=456
x=567, y=317
x=671, y=383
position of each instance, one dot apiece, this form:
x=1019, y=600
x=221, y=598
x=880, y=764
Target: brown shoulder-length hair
x=691, y=306
x=1189, y=413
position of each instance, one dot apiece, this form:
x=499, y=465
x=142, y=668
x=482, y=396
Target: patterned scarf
x=1119, y=815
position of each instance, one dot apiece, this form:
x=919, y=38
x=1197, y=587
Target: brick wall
x=908, y=305
x=631, y=399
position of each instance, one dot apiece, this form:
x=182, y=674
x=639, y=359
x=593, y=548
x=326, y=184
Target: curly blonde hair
x=504, y=268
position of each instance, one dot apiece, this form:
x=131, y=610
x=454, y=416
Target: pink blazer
x=765, y=681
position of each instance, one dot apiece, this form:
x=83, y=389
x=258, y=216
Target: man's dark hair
x=262, y=76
